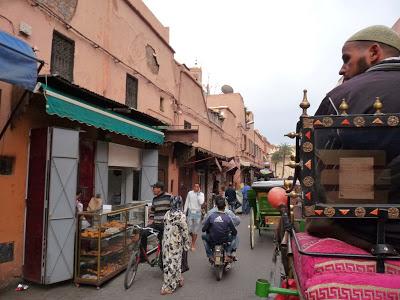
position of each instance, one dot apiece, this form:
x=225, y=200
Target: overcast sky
x=269, y=51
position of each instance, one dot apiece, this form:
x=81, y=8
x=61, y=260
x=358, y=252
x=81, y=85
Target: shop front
x=78, y=142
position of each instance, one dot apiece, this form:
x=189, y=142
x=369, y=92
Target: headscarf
x=176, y=203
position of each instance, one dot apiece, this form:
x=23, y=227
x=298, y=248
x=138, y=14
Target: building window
x=131, y=91
x=6, y=165
x=62, y=56
x=244, y=142
x=161, y=104
x=187, y=125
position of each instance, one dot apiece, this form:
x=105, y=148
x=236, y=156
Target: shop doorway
x=123, y=185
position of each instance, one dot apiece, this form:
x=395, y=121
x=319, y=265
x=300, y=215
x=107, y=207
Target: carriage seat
x=342, y=278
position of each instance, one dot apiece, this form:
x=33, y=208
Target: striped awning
x=81, y=110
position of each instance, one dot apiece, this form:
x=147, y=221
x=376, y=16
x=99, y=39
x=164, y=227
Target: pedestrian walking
x=193, y=203
x=175, y=240
x=246, y=206
x=230, y=195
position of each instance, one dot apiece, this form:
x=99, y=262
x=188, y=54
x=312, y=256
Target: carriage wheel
x=252, y=226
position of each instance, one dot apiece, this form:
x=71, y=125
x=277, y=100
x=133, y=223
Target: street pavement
x=200, y=282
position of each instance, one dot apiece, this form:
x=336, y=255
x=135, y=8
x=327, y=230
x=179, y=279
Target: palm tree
x=284, y=150
x=275, y=159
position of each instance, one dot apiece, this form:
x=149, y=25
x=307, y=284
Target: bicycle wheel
x=131, y=270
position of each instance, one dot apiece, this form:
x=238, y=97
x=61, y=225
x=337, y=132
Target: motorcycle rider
x=220, y=229
x=235, y=220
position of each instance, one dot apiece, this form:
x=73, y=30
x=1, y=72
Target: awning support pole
x=3, y=131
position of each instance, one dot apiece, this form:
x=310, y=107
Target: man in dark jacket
x=371, y=68
x=220, y=229
x=230, y=195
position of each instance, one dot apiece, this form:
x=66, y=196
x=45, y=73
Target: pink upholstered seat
x=340, y=278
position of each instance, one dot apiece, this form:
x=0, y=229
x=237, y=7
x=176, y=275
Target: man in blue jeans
x=220, y=229
x=246, y=206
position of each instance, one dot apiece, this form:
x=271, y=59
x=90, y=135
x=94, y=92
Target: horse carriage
x=349, y=170
x=262, y=215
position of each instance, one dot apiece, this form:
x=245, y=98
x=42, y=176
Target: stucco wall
x=236, y=104
x=194, y=110
x=117, y=28
x=12, y=214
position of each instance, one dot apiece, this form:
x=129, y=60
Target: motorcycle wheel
x=131, y=270
x=219, y=270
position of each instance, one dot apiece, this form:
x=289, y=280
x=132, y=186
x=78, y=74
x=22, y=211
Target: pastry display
x=93, y=234
x=114, y=224
x=105, y=247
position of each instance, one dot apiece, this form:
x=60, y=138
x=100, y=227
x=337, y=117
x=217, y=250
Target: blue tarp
x=18, y=64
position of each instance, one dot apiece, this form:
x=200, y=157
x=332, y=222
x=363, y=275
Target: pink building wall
x=118, y=29
x=236, y=104
x=123, y=28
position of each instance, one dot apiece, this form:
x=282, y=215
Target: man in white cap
x=371, y=68
x=371, y=60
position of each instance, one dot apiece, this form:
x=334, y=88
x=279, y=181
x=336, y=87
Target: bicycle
x=152, y=255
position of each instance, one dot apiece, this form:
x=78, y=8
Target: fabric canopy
x=18, y=64
x=81, y=111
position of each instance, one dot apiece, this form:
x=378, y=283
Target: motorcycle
x=222, y=263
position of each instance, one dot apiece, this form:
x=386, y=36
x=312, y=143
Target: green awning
x=80, y=110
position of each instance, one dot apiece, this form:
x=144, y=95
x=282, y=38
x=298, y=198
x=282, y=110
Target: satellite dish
x=227, y=89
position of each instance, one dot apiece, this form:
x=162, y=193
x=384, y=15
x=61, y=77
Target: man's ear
x=375, y=54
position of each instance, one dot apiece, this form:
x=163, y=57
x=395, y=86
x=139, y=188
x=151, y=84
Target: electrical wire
x=10, y=22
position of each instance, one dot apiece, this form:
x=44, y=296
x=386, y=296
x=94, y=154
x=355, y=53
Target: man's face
x=156, y=191
x=196, y=188
x=355, y=60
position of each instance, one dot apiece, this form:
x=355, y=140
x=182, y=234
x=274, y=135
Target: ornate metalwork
x=308, y=164
x=293, y=195
x=308, y=181
x=292, y=164
x=327, y=121
x=377, y=121
x=318, y=123
x=393, y=213
x=360, y=212
x=329, y=212
x=308, y=147
x=309, y=210
x=378, y=105
x=287, y=184
x=393, y=121
x=345, y=122
x=343, y=107
x=359, y=121
x=304, y=104
x=308, y=123
x=292, y=135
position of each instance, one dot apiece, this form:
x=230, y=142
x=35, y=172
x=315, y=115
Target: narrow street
x=200, y=283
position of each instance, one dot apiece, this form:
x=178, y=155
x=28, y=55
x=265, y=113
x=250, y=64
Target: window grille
x=131, y=91
x=62, y=56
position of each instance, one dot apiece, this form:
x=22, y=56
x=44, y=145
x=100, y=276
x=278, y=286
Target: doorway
x=123, y=185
